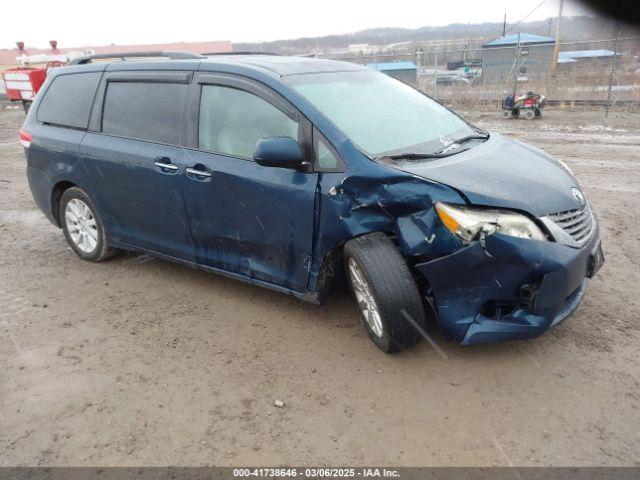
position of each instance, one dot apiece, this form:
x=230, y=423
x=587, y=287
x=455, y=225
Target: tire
x=83, y=227
x=529, y=114
x=389, y=287
x=506, y=113
x=538, y=112
x=26, y=105
x=515, y=113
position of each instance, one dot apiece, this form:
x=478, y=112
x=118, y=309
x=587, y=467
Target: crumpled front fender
x=393, y=202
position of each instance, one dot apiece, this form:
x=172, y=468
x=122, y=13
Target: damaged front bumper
x=508, y=288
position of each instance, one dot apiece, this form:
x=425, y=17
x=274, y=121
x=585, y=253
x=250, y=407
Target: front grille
x=577, y=223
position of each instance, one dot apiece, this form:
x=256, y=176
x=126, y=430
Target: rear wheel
x=82, y=226
x=529, y=114
x=389, y=301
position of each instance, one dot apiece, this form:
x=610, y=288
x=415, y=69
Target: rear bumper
x=508, y=289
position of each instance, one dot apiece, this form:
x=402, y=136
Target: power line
x=525, y=17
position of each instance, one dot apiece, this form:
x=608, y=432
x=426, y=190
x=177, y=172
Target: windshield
x=380, y=114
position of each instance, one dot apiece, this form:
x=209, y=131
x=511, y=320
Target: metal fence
x=599, y=72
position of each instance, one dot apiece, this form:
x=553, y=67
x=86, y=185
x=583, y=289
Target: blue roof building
x=574, y=56
x=404, y=71
x=518, y=38
x=388, y=66
x=521, y=56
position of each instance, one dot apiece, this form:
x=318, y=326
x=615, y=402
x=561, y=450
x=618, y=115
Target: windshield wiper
x=440, y=153
x=480, y=135
x=418, y=156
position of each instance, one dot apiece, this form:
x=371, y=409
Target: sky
x=75, y=23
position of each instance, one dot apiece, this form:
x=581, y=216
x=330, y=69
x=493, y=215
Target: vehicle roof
x=273, y=65
x=281, y=65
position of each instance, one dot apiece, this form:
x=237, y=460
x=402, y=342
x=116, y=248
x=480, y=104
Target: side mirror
x=282, y=152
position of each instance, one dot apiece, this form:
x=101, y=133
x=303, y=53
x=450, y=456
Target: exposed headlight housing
x=469, y=223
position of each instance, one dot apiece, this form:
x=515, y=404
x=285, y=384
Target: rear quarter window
x=68, y=100
x=145, y=111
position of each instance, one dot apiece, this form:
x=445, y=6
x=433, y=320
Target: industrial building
x=8, y=57
x=522, y=55
x=404, y=71
x=591, y=58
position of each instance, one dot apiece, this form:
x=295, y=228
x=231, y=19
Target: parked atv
x=530, y=105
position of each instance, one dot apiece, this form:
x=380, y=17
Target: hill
x=574, y=29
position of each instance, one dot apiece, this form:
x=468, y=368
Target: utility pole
x=556, y=49
x=612, y=73
x=504, y=25
x=516, y=67
x=435, y=74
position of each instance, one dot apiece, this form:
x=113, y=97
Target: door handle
x=197, y=173
x=165, y=164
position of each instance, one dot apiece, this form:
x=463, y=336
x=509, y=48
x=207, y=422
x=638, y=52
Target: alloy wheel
x=365, y=298
x=81, y=225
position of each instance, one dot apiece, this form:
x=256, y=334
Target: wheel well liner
x=332, y=271
x=56, y=193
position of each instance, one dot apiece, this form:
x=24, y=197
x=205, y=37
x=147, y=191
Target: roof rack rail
x=242, y=53
x=170, y=54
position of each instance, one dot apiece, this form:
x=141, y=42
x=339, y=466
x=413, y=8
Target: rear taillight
x=25, y=139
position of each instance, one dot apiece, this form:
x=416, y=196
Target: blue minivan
x=297, y=174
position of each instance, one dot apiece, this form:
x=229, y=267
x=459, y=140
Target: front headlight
x=470, y=223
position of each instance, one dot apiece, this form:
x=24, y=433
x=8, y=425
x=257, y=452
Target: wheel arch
x=331, y=270
x=56, y=194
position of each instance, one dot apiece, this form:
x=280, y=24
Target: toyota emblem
x=577, y=194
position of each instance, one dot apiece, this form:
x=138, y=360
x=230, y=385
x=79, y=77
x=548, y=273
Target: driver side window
x=233, y=120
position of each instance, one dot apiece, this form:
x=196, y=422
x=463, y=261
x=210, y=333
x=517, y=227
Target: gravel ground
x=138, y=361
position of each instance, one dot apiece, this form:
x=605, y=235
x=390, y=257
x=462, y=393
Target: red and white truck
x=23, y=82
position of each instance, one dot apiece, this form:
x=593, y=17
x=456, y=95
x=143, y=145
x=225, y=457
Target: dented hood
x=504, y=173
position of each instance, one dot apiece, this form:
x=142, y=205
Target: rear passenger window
x=145, y=111
x=232, y=121
x=68, y=100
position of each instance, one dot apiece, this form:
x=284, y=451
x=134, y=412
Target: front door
x=245, y=218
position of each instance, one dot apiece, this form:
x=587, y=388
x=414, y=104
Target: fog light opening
x=498, y=309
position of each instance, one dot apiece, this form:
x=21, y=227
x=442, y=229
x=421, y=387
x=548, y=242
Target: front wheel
x=82, y=226
x=389, y=301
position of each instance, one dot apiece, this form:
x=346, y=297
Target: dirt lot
x=137, y=361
